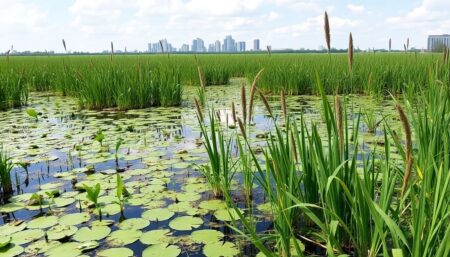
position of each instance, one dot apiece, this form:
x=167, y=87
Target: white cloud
x=20, y=15
x=356, y=8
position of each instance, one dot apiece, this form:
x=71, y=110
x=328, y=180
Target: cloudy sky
x=89, y=25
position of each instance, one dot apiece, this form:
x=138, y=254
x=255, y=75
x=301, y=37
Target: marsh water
x=158, y=161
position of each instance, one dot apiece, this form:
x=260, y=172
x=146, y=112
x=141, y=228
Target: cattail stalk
x=408, y=142
x=407, y=44
x=283, y=104
x=269, y=50
x=233, y=112
x=340, y=124
x=64, y=45
x=242, y=127
x=266, y=103
x=327, y=32
x=199, y=110
x=390, y=44
x=350, y=54
x=406, y=49
x=112, y=50
x=294, y=146
x=201, y=77
x=243, y=102
x=252, y=95
x=7, y=56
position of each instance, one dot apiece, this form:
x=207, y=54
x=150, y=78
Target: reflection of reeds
x=408, y=143
x=327, y=32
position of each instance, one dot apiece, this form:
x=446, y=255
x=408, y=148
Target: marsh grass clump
x=6, y=167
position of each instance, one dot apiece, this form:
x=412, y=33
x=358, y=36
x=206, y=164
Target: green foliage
x=5, y=171
x=32, y=113
x=99, y=137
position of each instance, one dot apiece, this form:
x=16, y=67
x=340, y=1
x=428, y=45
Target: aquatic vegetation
x=5, y=172
x=93, y=193
x=32, y=113
x=121, y=193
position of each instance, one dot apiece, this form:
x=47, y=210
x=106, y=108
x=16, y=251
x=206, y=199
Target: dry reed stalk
x=406, y=49
x=327, y=32
x=283, y=104
x=201, y=77
x=407, y=129
x=233, y=112
x=266, y=103
x=390, y=44
x=64, y=45
x=112, y=50
x=294, y=147
x=407, y=44
x=199, y=110
x=269, y=50
x=340, y=124
x=350, y=53
x=252, y=94
x=243, y=102
x=242, y=127
x=218, y=116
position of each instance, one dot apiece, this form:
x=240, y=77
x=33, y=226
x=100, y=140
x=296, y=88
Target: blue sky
x=89, y=25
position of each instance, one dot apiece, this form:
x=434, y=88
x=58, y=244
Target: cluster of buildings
x=436, y=43
x=229, y=45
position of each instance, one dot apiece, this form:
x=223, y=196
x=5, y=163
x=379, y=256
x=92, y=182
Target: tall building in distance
x=229, y=44
x=198, y=45
x=211, y=48
x=241, y=46
x=217, y=46
x=160, y=46
x=256, y=45
x=436, y=43
x=184, y=48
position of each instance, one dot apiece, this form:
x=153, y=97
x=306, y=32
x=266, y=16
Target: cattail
x=112, y=50
x=218, y=116
x=406, y=49
x=266, y=103
x=283, y=104
x=350, y=53
x=242, y=127
x=407, y=129
x=7, y=55
x=64, y=45
x=390, y=44
x=369, y=82
x=199, y=110
x=161, y=45
x=327, y=32
x=243, y=102
x=201, y=77
x=407, y=44
x=252, y=95
x=269, y=50
x=340, y=124
x=233, y=112
x=294, y=146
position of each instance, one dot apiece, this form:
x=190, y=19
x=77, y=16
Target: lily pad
x=159, y=214
x=116, y=252
x=61, y=231
x=11, y=207
x=74, y=219
x=226, y=214
x=134, y=224
x=158, y=236
x=213, y=205
x=123, y=237
x=26, y=236
x=185, y=223
x=69, y=249
x=161, y=250
x=41, y=246
x=226, y=249
x=43, y=222
x=91, y=234
x=4, y=241
x=207, y=236
x=11, y=250
x=12, y=227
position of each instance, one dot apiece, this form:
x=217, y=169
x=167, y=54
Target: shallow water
x=157, y=159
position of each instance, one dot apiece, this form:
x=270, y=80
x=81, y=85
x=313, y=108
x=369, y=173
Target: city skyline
x=89, y=26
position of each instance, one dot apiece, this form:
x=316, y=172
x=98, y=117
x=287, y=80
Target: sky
x=90, y=25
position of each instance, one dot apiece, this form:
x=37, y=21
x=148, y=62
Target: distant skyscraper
x=437, y=42
x=160, y=46
x=185, y=48
x=217, y=46
x=211, y=48
x=229, y=44
x=256, y=46
x=241, y=46
x=198, y=45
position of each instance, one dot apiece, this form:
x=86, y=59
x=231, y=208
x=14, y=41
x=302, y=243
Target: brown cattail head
x=407, y=44
x=233, y=112
x=161, y=45
x=243, y=102
x=199, y=110
x=218, y=116
x=390, y=44
x=350, y=53
x=64, y=45
x=340, y=124
x=407, y=129
x=201, y=77
x=252, y=94
x=269, y=50
x=242, y=127
x=112, y=50
x=283, y=104
x=327, y=32
x=266, y=103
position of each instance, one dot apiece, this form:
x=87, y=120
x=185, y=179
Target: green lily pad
x=74, y=219
x=95, y=233
x=12, y=227
x=213, y=205
x=185, y=223
x=88, y=245
x=159, y=214
x=226, y=214
x=61, y=231
x=11, y=250
x=69, y=249
x=161, y=250
x=207, y=236
x=43, y=222
x=158, y=236
x=41, y=246
x=4, y=241
x=102, y=222
x=116, y=252
x=62, y=202
x=188, y=197
x=226, y=249
x=109, y=209
x=11, y=207
x=26, y=236
x=123, y=237
x=134, y=224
